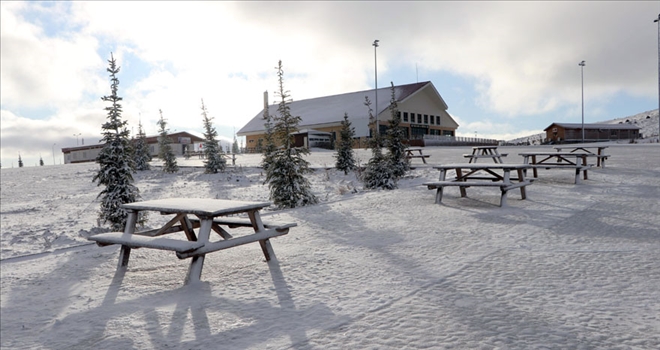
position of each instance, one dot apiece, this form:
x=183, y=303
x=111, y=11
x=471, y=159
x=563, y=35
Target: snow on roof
x=331, y=109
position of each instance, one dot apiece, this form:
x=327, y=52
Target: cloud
x=521, y=57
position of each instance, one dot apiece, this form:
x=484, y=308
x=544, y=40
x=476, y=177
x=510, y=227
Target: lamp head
x=583, y=63
x=376, y=43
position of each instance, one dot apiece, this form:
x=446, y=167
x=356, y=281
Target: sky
x=505, y=69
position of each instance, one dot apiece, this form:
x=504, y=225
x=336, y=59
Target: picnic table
x=593, y=151
x=485, y=152
x=410, y=153
x=189, y=214
x=481, y=175
x=558, y=160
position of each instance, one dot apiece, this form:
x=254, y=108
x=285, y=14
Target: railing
x=442, y=140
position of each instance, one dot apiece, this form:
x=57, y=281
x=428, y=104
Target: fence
x=442, y=140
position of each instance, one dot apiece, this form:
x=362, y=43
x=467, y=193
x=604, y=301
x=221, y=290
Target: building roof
x=320, y=111
x=594, y=126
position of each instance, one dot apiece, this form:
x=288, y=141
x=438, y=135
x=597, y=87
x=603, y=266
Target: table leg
x=521, y=178
x=506, y=181
x=258, y=225
x=459, y=175
x=129, y=229
x=197, y=262
x=536, y=174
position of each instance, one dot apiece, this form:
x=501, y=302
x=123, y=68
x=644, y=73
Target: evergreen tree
x=285, y=175
x=115, y=164
x=20, y=161
x=377, y=173
x=41, y=161
x=269, y=147
x=165, y=152
x=345, y=155
x=142, y=155
x=399, y=164
x=234, y=147
x=212, y=149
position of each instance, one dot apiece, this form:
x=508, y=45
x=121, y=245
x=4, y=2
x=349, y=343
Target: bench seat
x=485, y=155
x=233, y=222
x=504, y=187
x=261, y=236
x=138, y=241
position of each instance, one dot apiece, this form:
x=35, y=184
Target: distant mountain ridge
x=647, y=122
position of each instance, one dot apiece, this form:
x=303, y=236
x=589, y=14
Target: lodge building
x=572, y=132
x=179, y=141
x=422, y=111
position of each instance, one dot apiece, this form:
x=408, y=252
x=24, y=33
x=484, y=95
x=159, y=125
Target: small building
x=422, y=111
x=572, y=132
x=179, y=141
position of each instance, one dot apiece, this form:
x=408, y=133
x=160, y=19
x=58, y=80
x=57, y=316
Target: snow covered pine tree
x=165, y=152
x=212, y=151
x=394, y=140
x=377, y=173
x=141, y=154
x=285, y=176
x=345, y=155
x=115, y=162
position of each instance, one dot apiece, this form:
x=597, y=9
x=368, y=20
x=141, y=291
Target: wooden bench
x=185, y=249
x=504, y=187
x=578, y=168
x=138, y=241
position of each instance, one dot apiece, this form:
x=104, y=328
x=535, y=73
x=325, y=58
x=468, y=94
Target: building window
x=405, y=116
x=398, y=114
x=426, y=118
x=437, y=120
x=419, y=118
x=432, y=120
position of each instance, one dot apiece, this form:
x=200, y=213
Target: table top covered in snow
x=197, y=206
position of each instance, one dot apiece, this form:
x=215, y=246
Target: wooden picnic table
x=485, y=152
x=597, y=152
x=189, y=214
x=410, y=153
x=558, y=160
x=468, y=175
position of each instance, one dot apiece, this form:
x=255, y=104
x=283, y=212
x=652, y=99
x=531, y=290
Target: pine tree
x=165, y=150
x=115, y=164
x=269, y=147
x=377, y=173
x=142, y=155
x=20, y=161
x=212, y=150
x=41, y=161
x=285, y=176
x=234, y=147
x=394, y=140
x=345, y=155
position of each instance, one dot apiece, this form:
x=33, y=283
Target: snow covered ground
x=571, y=267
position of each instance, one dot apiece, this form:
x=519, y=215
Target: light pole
x=375, y=44
x=582, y=64
x=658, y=21
x=54, y=153
x=76, y=135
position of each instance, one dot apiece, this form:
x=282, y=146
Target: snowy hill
x=647, y=122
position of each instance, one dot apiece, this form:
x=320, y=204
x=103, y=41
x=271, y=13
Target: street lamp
x=54, y=153
x=375, y=44
x=582, y=64
x=76, y=135
x=658, y=21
